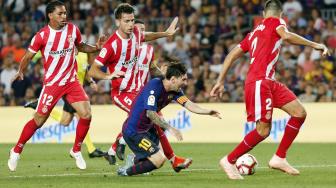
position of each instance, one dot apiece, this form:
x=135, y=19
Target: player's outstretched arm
x=149, y=36
x=96, y=72
x=157, y=120
x=195, y=108
x=23, y=65
x=298, y=40
x=234, y=54
x=86, y=48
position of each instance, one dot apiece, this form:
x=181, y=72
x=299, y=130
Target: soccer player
x=66, y=116
x=139, y=129
x=57, y=42
x=122, y=52
x=262, y=91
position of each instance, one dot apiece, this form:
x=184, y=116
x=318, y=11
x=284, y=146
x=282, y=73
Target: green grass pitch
x=49, y=165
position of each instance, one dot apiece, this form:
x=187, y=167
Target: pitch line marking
x=165, y=171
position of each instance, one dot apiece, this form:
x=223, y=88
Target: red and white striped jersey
x=119, y=54
x=58, y=50
x=144, y=62
x=263, y=45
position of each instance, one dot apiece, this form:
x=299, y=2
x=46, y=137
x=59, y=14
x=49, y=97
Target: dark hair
x=51, y=6
x=139, y=22
x=123, y=8
x=175, y=69
x=273, y=5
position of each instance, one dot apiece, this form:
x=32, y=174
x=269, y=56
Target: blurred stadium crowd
x=208, y=30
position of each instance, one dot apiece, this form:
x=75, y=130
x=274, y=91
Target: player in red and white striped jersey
x=57, y=42
x=122, y=52
x=262, y=92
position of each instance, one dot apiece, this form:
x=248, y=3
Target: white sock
x=122, y=141
x=111, y=151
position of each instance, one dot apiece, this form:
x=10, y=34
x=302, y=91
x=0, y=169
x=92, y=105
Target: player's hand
x=217, y=90
x=118, y=74
x=176, y=133
x=324, y=49
x=17, y=76
x=101, y=41
x=216, y=114
x=172, y=28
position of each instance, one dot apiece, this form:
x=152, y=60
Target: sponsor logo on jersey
x=135, y=59
x=61, y=52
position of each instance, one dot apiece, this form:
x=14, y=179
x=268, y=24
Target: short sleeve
x=279, y=23
x=151, y=95
x=36, y=43
x=103, y=58
x=78, y=36
x=180, y=98
x=244, y=45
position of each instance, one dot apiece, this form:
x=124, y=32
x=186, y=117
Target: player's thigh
x=259, y=101
x=286, y=100
x=76, y=96
x=48, y=98
x=124, y=100
x=142, y=145
x=295, y=109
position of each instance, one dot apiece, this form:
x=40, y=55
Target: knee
x=264, y=129
x=300, y=112
x=86, y=114
x=40, y=119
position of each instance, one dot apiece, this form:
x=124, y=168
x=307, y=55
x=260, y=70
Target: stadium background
x=208, y=30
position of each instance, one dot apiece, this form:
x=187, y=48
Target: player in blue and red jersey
x=139, y=131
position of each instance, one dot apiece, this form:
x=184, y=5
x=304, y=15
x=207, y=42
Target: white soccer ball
x=247, y=164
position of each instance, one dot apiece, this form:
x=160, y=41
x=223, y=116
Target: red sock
x=166, y=147
x=27, y=132
x=291, y=131
x=115, y=144
x=81, y=131
x=250, y=140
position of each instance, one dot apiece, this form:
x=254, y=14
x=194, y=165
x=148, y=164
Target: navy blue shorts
x=143, y=145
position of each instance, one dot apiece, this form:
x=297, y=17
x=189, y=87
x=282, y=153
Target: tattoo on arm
x=156, y=119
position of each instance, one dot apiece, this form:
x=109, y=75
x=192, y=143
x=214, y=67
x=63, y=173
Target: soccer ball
x=247, y=164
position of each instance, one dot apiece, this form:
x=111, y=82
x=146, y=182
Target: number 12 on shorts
x=47, y=99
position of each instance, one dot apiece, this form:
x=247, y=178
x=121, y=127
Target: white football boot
x=230, y=169
x=80, y=162
x=13, y=160
x=282, y=164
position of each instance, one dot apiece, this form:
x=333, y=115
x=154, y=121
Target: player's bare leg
x=298, y=116
x=27, y=132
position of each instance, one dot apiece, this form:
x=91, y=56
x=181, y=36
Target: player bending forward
x=139, y=131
